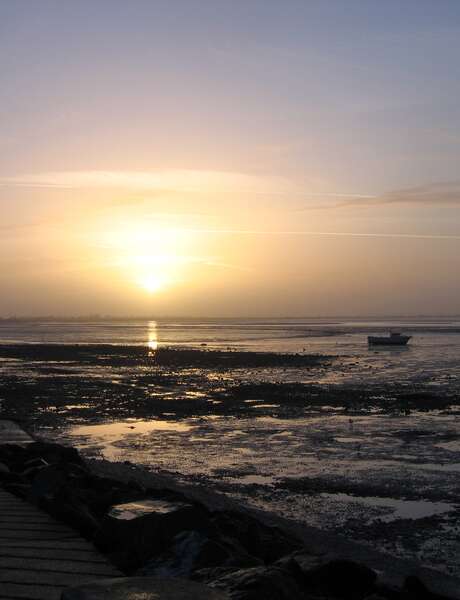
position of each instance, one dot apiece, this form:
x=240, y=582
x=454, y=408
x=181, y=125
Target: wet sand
x=377, y=463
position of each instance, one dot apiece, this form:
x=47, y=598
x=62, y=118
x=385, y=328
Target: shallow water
x=432, y=358
x=361, y=472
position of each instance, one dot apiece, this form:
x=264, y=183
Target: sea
x=377, y=472
x=432, y=357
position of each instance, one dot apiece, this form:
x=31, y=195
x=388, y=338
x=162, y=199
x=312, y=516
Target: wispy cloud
x=265, y=232
x=177, y=180
x=149, y=184
x=444, y=193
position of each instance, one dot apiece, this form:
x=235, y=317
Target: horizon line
x=97, y=317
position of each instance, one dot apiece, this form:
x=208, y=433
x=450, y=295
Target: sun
x=152, y=283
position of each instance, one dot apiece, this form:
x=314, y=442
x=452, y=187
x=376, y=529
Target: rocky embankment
x=162, y=532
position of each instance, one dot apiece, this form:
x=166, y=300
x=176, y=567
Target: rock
x=18, y=489
x=67, y=507
x=131, y=538
x=4, y=469
x=53, y=453
x=47, y=483
x=11, y=453
x=384, y=591
x=338, y=578
x=267, y=583
x=144, y=588
x=192, y=551
x=35, y=462
x=260, y=540
x=415, y=589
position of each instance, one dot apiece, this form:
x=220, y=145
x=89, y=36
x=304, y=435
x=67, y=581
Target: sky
x=215, y=158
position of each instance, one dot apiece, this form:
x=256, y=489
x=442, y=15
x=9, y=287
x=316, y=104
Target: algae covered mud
x=297, y=417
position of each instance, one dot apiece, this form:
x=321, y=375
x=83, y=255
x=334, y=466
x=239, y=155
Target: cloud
x=266, y=232
x=176, y=180
x=148, y=185
x=447, y=192
x=154, y=183
x=444, y=193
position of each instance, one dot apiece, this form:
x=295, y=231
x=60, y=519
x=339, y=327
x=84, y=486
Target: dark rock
x=339, y=578
x=35, y=462
x=191, y=551
x=11, y=453
x=18, y=489
x=53, y=453
x=31, y=472
x=47, y=483
x=4, y=469
x=211, y=574
x=67, y=507
x=386, y=591
x=260, y=540
x=131, y=542
x=415, y=589
x=267, y=583
x=105, y=493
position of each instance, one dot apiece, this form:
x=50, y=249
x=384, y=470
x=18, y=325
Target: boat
x=394, y=339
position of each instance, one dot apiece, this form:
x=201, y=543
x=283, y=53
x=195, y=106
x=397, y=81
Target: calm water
x=412, y=459
x=431, y=359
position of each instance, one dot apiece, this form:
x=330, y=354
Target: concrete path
x=40, y=557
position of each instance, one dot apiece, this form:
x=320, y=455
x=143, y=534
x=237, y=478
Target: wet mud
x=300, y=435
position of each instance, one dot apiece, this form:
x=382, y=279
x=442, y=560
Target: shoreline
x=392, y=570
x=258, y=436
x=320, y=547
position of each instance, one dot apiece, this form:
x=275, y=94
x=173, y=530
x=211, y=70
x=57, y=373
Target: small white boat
x=394, y=339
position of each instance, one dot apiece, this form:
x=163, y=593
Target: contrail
x=415, y=236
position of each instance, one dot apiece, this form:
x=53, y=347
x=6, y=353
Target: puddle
x=133, y=510
x=253, y=479
x=400, y=509
x=121, y=428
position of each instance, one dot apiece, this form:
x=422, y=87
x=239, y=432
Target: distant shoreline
x=165, y=318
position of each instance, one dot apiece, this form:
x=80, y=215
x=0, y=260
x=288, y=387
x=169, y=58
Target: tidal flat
x=319, y=439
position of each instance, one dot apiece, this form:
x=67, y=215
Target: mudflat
x=375, y=462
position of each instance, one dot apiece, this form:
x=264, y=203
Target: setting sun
x=152, y=283
x=229, y=234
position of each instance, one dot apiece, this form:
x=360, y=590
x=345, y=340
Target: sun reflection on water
x=152, y=340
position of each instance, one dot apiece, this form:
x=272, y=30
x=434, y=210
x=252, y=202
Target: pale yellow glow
x=152, y=283
x=153, y=257
x=193, y=181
